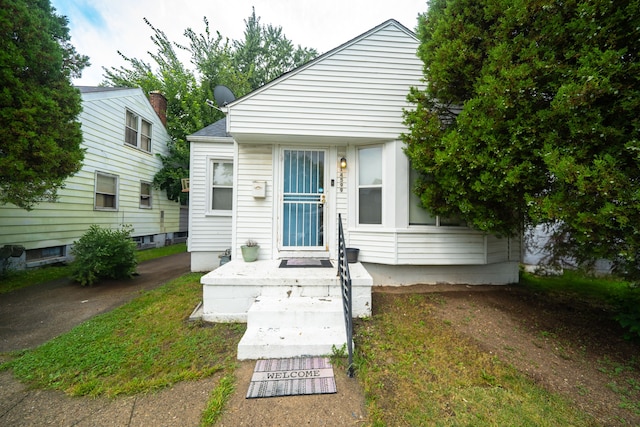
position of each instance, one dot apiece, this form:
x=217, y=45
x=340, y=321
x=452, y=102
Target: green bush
x=629, y=313
x=104, y=253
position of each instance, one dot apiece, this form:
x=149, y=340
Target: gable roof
x=387, y=23
x=357, y=91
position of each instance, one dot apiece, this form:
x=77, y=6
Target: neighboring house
x=319, y=141
x=122, y=135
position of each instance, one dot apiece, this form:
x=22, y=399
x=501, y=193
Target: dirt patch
x=567, y=347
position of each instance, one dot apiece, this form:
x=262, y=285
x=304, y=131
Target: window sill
x=218, y=213
x=134, y=147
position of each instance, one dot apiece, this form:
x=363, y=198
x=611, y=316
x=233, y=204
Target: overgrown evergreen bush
x=104, y=253
x=629, y=314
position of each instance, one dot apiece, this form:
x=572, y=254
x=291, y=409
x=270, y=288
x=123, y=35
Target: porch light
x=343, y=163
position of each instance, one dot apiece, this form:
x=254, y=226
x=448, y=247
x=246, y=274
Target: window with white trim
x=370, y=185
x=106, y=192
x=221, y=185
x=421, y=216
x=145, y=195
x=137, y=131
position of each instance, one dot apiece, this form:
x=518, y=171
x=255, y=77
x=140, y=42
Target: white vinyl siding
x=436, y=247
x=358, y=91
x=63, y=222
x=254, y=217
x=502, y=249
x=208, y=231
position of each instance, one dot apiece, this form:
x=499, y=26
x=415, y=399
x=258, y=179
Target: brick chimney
x=159, y=104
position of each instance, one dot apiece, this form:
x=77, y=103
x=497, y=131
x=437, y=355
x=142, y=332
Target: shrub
x=104, y=253
x=629, y=313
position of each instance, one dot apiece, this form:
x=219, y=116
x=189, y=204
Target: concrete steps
x=279, y=327
x=230, y=290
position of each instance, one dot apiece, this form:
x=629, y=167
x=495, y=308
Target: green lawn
x=415, y=370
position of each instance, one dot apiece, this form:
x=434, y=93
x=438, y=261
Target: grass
x=416, y=370
x=142, y=346
x=616, y=296
x=218, y=398
x=149, y=254
x=575, y=284
x=14, y=280
x=21, y=279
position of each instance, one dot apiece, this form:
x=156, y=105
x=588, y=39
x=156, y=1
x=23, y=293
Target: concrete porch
x=289, y=311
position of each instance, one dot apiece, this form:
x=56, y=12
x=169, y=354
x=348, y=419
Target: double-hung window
x=221, y=185
x=137, y=131
x=370, y=185
x=145, y=195
x=106, y=192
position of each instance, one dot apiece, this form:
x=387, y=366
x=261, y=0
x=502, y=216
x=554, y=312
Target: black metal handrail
x=345, y=286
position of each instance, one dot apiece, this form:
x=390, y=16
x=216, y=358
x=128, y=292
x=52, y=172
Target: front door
x=303, y=201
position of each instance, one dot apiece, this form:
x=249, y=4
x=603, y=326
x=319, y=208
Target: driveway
x=32, y=316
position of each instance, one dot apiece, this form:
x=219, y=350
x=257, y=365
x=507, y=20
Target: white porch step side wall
x=209, y=233
x=230, y=290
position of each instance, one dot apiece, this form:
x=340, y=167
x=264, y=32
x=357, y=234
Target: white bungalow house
x=319, y=141
x=122, y=134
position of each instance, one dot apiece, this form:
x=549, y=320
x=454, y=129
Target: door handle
x=322, y=199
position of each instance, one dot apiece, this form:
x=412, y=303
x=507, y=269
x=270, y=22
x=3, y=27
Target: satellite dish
x=223, y=95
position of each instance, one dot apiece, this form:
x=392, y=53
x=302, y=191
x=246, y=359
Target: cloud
x=99, y=29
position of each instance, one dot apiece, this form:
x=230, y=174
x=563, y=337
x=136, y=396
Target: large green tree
x=531, y=115
x=40, y=139
x=243, y=66
x=266, y=53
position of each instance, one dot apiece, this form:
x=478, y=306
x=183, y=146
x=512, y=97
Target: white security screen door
x=303, y=199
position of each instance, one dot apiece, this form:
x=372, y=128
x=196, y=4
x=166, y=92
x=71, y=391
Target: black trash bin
x=352, y=255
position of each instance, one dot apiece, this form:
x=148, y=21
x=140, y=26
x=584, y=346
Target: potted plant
x=250, y=250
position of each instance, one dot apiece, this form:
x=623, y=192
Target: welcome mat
x=290, y=377
x=305, y=263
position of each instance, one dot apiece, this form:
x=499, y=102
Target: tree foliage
x=266, y=53
x=40, y=138
x=548, y=131
x=242, y=66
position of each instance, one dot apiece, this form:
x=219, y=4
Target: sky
x=99, y=29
